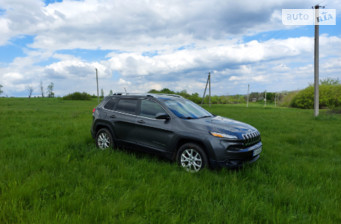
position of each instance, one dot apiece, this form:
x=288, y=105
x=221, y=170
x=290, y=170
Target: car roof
x=155, y=95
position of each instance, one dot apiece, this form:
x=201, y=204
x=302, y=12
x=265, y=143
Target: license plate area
x=257, y=151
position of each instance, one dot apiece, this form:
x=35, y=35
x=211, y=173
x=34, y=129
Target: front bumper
x=237, y=158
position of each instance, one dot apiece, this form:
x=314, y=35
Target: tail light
x=93, y=110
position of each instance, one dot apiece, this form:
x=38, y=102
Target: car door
x=149, y=131
x=123, y=119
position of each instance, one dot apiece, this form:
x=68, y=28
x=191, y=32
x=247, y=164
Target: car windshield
x=185, y=108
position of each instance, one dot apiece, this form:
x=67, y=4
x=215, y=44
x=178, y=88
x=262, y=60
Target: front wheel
x=104, y=139
x=191, y=157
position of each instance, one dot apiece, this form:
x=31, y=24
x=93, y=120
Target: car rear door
x=123, y=119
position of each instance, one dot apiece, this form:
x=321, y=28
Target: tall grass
x=51, y=171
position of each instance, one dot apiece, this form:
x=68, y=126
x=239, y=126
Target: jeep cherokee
x=176, y=128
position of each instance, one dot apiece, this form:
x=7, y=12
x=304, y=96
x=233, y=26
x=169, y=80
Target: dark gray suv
x=176, y=128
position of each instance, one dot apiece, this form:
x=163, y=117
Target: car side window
x=150, y=108
x=127, y=106
x=110, y=105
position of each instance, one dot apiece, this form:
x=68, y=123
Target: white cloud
x=185, y=39
x=258, y=63
x=139, y=25
x=123, y=82
x=12, y=77
x=4, y=31
x=281, y=68
x=209, y=58
x=76, y=69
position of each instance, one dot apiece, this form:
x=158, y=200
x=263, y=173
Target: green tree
x=330, y=97
x=164, y=90
x=153, y=91
x=167, y=91
x=270, y=96
x=195, y=98
x=77, y=96
x=50, y=92
x=223, y=99
x=254, y=95
x=330, y=81
x=184, y=94
x=1, y=89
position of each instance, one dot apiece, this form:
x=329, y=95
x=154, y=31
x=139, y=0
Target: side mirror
x=162, y=116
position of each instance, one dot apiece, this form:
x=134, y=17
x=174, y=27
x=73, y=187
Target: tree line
x=224, y=99
x=49, y=91
x=330, y=95
x=30, y=90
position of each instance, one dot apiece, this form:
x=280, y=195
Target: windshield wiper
x=205, y=116
x=188, y=118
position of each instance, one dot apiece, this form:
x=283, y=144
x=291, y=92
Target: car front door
x=150, y=132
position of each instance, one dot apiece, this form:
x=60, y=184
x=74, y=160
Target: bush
x=77, y=96
x=236, y=99
x=330, y=97
x=286, y=98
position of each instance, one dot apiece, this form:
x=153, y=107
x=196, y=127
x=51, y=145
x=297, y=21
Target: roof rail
x=119, y=93
x=167, y=94
x=146, y=94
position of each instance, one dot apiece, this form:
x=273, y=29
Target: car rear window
x=110, y=104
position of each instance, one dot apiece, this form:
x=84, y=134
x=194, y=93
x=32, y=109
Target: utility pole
x=247, y=97
x=97, y=85
x=316, y=62
x=208, y=82
x=265, y=98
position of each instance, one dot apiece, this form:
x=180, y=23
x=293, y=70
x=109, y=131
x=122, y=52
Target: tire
x=191, y=157
x=104, y=139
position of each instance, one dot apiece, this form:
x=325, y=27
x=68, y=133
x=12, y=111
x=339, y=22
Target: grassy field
x=51, y=172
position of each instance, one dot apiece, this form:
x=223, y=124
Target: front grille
x=251, y=138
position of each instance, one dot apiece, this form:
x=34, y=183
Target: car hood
x=223, y=125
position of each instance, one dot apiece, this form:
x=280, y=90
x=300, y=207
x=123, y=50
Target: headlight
x=221, y=135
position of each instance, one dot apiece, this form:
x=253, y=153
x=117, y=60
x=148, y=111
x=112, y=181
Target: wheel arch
x=183, y=141
x=101, y=124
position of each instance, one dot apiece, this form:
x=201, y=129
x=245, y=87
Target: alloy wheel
x=191, y=160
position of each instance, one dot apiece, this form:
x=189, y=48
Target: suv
x=176, y=128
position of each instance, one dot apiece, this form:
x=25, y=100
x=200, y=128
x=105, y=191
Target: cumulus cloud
x=75, y=69
x=147, y=25
x=159, y=44
x=123, y=82
x=216, y=57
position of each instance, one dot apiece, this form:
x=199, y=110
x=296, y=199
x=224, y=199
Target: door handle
x=112, y=116
x=141, y=121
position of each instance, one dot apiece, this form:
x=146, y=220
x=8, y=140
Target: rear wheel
x=191, y=157
x=104, y=139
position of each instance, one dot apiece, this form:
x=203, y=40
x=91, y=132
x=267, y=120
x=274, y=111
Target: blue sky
x=143, y=45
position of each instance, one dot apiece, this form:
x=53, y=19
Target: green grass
x=51, y=172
